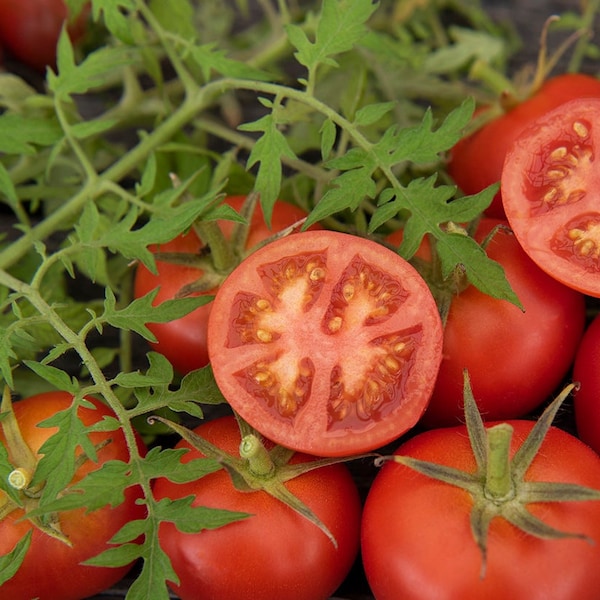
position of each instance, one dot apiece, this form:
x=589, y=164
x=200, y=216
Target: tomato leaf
x=10, y=563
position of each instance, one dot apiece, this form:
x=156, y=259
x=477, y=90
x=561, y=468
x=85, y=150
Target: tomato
x=30, y=29
x=476, y=161
x=183, y=341
x=274, y=553
x=550, y=193
x=515, y=358
x=417, y=541
x=327, y=343
x=51, y=569
x=586, y=371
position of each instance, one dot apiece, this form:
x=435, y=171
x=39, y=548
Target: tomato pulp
x=327, y=343
x=476, y=161
x=183, y=341
x=550, y=190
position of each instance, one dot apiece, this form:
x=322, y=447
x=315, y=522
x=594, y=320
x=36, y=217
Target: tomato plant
x=586, y=371
x=549, y=185
x=516, y=357
x=493, y=513
x=476, y=161
x=326, y=343
x=30, y=29
x=183, y=340
x=275, y=552
x=60, y=542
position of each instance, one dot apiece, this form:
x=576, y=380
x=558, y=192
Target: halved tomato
x=551, y=193
x=326, y=343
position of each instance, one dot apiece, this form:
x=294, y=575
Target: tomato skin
x=416, y=536
x=476, y=161
x=586, y=371
x=550, y=193
x=325, y=342
x=515, y=359
x=275, y=553
x=51, y=569
x=30, y=29
x=183, y=341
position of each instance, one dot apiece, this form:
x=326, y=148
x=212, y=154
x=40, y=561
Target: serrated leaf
x=141, y=311
x=54, y=376
x=367, y=115
x=328, y=135
x=268, y=151
x=167, y=463
x=160, y=372
x=340, y=25
x=10, y=563
x=211, y=59
x=20, y=135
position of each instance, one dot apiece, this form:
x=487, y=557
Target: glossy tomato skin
x=183, y=341
x=476, y=161
x=51, y=570
x=30, y=29
x=416, y=535
x=515, y=359
x=586, y=371
x=327, y=343
x=550, y=185
x=275, y=553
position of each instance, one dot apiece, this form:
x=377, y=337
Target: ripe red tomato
x=515, y=359
x=550, y=193
x=51, y=569
x=476, y=161
x=275, y=553
x=30, y=29
x=327, y=343
x=417, y=540
x=586, y=370
x=183, y=341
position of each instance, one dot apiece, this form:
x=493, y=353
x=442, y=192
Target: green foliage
x=340, y=106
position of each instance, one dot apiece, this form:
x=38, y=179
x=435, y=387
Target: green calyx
x=258, y=468
x=498, y=486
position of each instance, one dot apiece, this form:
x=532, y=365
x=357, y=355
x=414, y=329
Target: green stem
x=498, y=481
x=259, y=460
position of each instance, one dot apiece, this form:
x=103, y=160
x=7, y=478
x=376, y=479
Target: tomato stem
x=259, y=459
x=498, y=480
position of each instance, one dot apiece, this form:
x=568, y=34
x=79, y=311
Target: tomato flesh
x=550, y=193
x=326, y=343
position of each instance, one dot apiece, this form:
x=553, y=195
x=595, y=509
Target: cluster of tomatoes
x=333, y=346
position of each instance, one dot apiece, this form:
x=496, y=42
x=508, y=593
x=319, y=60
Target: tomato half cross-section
x=550, y=190
x=326, y=343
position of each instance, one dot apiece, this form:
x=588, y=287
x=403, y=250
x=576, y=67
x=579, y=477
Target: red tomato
x=51, y=569
x=30, y=29
x=550, y=192
x=586, y=370
x=275, y=553
x=327, y=343
x=476, y=161
x=417, y=542
x=183, y=341
x=515, y=359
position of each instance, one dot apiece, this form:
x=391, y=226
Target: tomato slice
x=326, y=343
x=551, y=193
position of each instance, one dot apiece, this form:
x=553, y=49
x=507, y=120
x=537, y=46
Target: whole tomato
x=30, y=29
x=516, y=358
x=586, y=371
x=183, y=341
x=51, y=569
x=417, y=532
x=275, y=552
x=476, y=161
